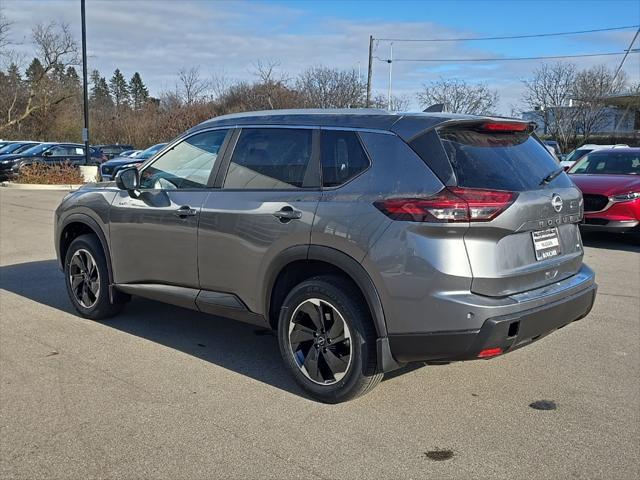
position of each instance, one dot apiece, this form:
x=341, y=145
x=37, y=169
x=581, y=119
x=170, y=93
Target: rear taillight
x=451, y=204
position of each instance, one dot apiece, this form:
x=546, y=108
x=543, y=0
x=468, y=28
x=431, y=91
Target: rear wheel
x=87, y=279
x=327, y=339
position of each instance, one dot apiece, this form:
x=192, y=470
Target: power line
x=504, y=59
x=625, y=55
x=536, y=35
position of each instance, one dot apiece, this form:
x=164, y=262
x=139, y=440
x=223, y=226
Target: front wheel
x=327, y=339
x=87, y=279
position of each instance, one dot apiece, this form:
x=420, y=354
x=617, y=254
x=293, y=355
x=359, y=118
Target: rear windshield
x=109, y=150
x=502, y=161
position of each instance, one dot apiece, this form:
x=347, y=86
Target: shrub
x=64, y=174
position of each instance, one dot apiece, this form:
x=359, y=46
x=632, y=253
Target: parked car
x=130, y=153
x=552, y=152
x=555, y=145
x=109, y=169
x=16, y=147
x=47, y=153
x=367, y=239
x=112, y=151
x=610, y=184
x=570, y=160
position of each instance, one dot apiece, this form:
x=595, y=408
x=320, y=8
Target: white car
x=552, y=151
x=580, y=152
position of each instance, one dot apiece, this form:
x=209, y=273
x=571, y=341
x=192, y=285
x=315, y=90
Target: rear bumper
x=507, y=332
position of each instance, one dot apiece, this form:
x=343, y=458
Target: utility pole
x=370, y=71
x=85, y=130
x=390, y=62
x=625, y=56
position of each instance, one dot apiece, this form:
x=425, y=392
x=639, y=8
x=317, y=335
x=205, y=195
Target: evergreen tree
x=58, y=72
x=71, y=78
x=138, y=91
x=100, y=96
x=94, y=78
x=11, y=82
x=34, y=71
x=71, y=74
x=119, y=89
x=13, y=74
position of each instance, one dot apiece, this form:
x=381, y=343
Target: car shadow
x=627, y=242
x=235, y=346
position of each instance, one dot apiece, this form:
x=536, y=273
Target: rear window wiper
x=551, y=176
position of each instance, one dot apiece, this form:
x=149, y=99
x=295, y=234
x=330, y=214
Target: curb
x=38, y=186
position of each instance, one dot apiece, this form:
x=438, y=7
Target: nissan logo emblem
x=556, y=202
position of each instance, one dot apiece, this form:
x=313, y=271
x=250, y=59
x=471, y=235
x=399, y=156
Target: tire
x=86, y=250
x=317, y=362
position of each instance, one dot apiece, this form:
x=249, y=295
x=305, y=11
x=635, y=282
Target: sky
x=226, y=38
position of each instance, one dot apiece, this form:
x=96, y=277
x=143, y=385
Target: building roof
x=623, y=100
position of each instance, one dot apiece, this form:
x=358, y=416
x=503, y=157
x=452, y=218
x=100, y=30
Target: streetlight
x=85, y=130
x=390, y=62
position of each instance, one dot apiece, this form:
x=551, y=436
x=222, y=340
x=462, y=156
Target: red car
x=610, y=184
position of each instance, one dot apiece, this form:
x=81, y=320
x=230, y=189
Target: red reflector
x=505, y=127
x=490, y=352
x=452, y=204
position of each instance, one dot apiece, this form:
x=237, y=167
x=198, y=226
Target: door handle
x=186, y=211
x=286, y=214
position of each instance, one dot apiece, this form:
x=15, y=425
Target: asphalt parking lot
x=162, y=392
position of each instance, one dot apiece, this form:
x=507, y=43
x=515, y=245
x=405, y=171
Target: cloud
x=160, y=37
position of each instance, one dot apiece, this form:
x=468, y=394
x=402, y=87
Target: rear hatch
x=533, y=239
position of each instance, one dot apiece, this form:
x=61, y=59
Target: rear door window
x=512, y=161
x=342, y=157
x=63, y=151
x=270, y=159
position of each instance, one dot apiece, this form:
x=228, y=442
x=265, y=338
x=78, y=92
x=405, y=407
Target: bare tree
x=267, y=74
x=458, y=96
x=170, y=100
x=5, y=25
x=399, y=103
x=549, y=92
x=245, y=96
x=589, y=92
x=272, y=86
x=56, y=49
x=191, y=86
x=323, y=87
x=220, y=84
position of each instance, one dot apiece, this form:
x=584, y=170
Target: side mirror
x=48, y=153
x=128, y=179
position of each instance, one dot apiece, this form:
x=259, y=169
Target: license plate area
x=546, y=243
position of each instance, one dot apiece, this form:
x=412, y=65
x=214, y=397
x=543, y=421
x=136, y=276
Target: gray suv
x=368, y=240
